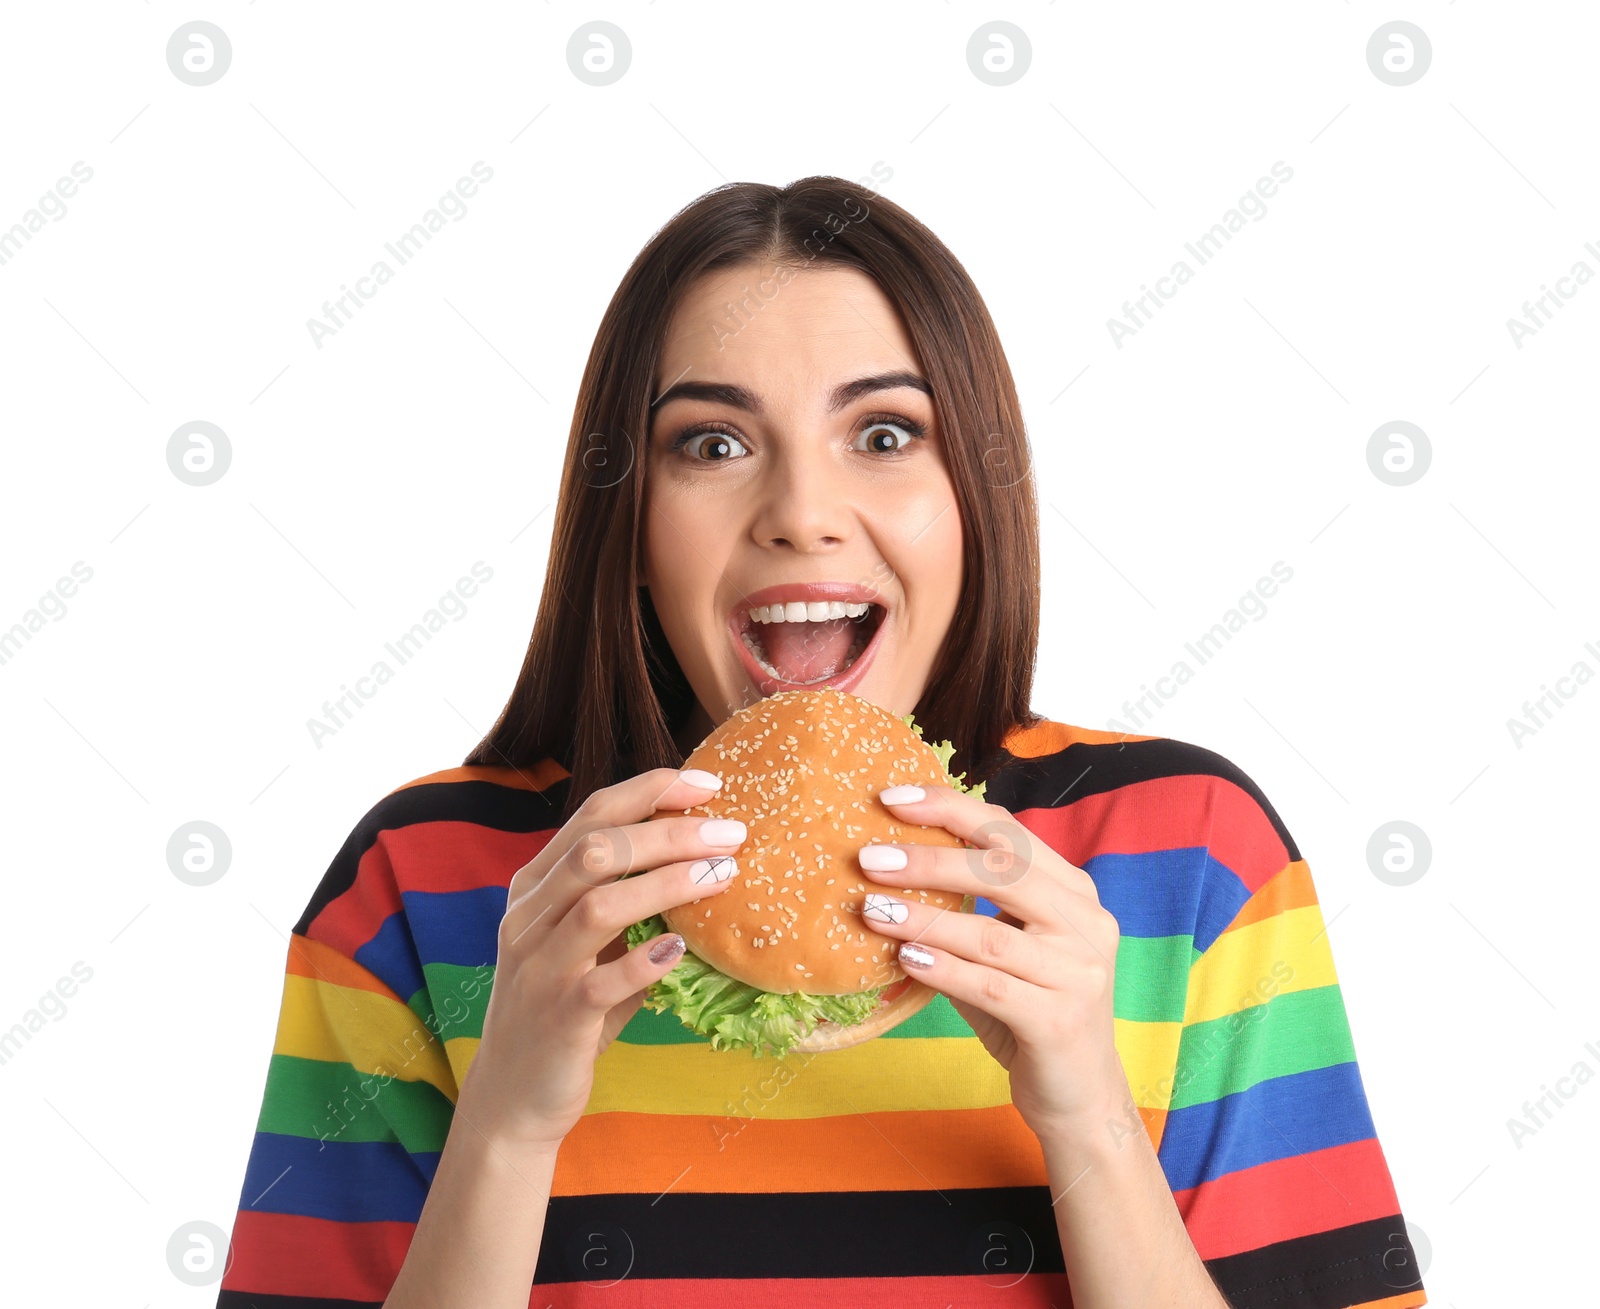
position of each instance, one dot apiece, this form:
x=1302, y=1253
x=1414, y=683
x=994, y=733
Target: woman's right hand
x=554, y=1008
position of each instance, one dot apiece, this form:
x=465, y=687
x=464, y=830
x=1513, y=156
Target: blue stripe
x=391, y=956
x=1222, y=894
x=345, y=1181
x=457, y=927
x=1183, y=892
x=1275, y=1119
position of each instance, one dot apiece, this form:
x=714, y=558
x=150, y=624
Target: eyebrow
x=739, y=397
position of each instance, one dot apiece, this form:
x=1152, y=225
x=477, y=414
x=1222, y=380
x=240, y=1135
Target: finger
x=1007, y=997
x=607, y=910
x=630, y=801
x=976, y=938
x=1004, y=874
x=1010, y=848
x=606, y=986
x=603, y=856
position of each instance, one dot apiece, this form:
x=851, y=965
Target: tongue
x=803, y=652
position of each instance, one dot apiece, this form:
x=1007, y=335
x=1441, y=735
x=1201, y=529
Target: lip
x=783, y=593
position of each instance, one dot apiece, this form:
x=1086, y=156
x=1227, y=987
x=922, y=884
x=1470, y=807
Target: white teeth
x=799, y=611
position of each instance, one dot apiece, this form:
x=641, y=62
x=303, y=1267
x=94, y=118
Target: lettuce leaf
x=734, y=1015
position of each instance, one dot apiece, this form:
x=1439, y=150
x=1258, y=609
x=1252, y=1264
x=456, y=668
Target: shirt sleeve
x=1268, y=1143
x=358, y=1100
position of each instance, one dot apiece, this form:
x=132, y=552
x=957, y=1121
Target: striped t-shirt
x=894, y=1172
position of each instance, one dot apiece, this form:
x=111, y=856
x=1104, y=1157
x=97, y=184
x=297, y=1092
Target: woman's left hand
x=1034, y=984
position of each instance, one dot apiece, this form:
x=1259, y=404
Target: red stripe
x=1167, y=813
x=1288, y=1198
x=286, y=1254
x=997, y=1290
x=434, y=856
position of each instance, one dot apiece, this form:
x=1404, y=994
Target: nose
x=803, y=501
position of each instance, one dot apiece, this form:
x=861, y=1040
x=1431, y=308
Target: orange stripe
x=1155, y=1123
x=908, y=1150
x=535, y=777
x=314, y=959
x=1291, y=888
x=1047, y=737
x=1407, y=1301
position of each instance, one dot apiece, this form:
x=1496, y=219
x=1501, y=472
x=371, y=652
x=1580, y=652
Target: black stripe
x=993, y=1232
x=1004, y=1232
x=503, y=808
x=1083, y=770
x=1349, y=1265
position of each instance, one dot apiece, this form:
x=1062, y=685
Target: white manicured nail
x=882, y=858
x=884, y=909
x=902, y=794
x=722, y=831
x=699, y=777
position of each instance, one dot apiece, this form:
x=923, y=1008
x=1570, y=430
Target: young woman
x=1136, y=1085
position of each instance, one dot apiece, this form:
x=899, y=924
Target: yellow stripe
x=371, y=1033
x=1250, y=965
x=1149, y=1057
x=875, y=1077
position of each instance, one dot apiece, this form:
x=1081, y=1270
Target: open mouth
x=786, y=655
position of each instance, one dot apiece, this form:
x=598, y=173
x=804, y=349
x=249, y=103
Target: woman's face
x=794, y=460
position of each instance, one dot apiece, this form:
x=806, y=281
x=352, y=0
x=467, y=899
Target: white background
x=369, y=474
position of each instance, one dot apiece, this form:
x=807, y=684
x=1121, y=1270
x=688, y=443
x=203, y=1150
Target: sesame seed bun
x=802, y=769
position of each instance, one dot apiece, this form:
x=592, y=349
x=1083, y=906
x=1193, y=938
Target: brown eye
x=710, y=446
x=880, y=435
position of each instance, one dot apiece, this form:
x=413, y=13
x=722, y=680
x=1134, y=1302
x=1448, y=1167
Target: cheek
x=676, y=546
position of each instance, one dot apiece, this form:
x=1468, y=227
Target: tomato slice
x=892, y=993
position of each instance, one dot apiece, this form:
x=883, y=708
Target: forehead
x=751, y=326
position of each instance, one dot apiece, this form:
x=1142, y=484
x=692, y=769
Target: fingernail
x=884, y=908
x=902, y=794
x=717, y=869
x=722, y=831
x=699, y=777
x=882, y=858
x=668, y=947
x=914, y=956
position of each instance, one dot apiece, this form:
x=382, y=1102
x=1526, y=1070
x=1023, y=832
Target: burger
x=783, y=959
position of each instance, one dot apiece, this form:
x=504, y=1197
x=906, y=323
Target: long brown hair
x=600, y=690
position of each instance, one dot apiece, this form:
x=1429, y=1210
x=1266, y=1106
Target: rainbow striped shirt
x=893, y=1172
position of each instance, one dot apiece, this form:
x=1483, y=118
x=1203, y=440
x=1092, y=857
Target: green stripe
x=1152, y=979
x=332, y=1101
x=1292, y=1033
x=455, y=999
x=1152, y=976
